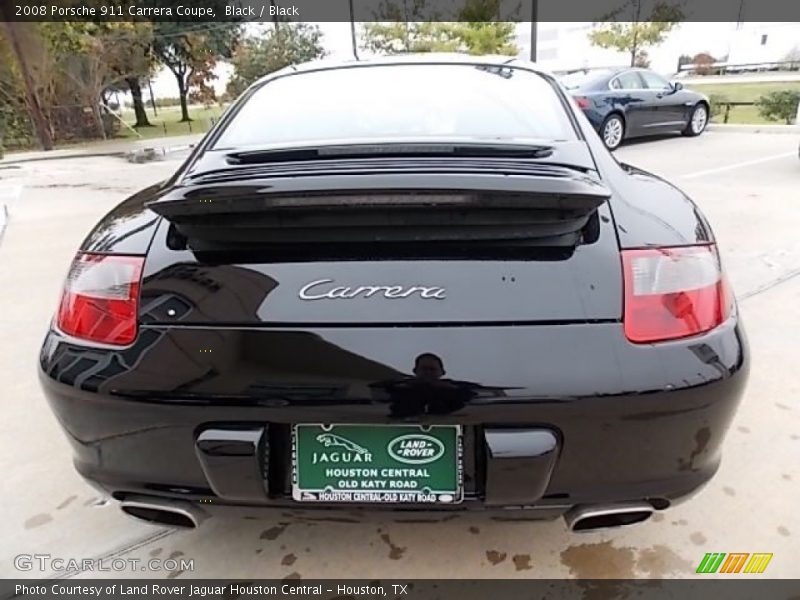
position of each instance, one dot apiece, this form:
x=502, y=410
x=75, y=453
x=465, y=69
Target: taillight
x=672, y=293
x=583, y=103
x=101, y=298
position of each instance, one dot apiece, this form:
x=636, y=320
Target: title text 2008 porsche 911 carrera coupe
x=417, y=284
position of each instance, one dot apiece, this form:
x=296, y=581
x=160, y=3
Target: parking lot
x=747, y=184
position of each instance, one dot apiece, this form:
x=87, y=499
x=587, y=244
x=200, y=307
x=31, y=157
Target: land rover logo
x=321, y=289
x=415, y=449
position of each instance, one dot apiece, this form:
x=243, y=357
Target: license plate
x=401, y=464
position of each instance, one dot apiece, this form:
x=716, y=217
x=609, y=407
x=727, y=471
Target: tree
x=482, y=30
x=71, y=67
x=184, y=47
x=642, y=59
x=135, y=88
x=200, y=83
x=702, y=63
x=94, y=57
x=137, y=63
x=14, y=122
x=20, y=40
x=633, y=36
x=284, y=45
x=405, y=28
x=405, y=37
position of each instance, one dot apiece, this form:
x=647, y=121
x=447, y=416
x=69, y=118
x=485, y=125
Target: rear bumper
x=630, y=422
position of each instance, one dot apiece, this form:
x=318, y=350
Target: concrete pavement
x=748, y=187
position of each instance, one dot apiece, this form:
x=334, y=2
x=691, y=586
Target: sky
x=689, y=38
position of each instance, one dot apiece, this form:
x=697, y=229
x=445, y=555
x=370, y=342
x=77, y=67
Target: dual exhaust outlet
x=597, y=516
x=165, y=512
x=182, y=514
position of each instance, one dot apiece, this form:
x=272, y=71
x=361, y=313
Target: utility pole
x=152, y=98
x=274, y=12
x=534, y=19
x=150, y=82
x=637, y=13
x=353, y=30
x=39, y=122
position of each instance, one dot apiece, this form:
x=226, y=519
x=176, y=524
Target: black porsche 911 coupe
x=416, y=284
x=632, y=102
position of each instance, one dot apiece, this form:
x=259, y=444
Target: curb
x=3, y=219
x=743, y=128
x=47, y=157
x=151, y=153
x=118, y=153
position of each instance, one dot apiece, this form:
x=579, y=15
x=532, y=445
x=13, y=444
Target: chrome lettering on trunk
x=338, y=292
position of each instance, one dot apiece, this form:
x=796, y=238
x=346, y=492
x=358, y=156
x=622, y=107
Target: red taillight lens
x=673, y=292
x=583, y=103
x=101, y=298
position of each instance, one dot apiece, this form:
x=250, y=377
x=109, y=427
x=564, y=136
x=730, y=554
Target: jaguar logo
x=330, y=439
x=351, y=453
x=321, y=289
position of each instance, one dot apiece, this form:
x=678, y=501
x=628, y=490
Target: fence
x=196, y=125
x=723, y=68
x=726, y=112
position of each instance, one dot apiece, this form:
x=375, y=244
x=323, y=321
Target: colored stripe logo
x=734, y=562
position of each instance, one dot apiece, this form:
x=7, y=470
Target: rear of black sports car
x=415, y=285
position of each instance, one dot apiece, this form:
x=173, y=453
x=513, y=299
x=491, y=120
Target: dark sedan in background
x=418, y=283
x=629, y=102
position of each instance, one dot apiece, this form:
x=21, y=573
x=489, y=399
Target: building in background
x=763, y=42
x=566, y=46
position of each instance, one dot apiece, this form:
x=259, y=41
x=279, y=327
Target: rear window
x=385, y=103
x=578, y=79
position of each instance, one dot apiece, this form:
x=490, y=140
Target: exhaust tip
x=593, y=518
x=167, y=514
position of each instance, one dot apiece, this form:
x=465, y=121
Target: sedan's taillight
x=101, y=298
x=673, y=293
x=582, y=102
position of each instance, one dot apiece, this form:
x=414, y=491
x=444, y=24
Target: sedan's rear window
x=579, y=79
x=385, y=103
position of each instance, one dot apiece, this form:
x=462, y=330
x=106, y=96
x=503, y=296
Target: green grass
x=744, y=92
x=167, y=123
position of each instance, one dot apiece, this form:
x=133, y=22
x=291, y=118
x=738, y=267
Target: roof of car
x=432, y=58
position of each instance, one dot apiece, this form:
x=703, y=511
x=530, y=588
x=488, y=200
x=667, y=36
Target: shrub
x=15, y=127
x=777, y=106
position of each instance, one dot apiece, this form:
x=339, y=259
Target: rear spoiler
x=386, y=207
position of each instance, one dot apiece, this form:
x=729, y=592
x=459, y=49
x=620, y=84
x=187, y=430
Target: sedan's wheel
x=612, y=132
x=698, y=121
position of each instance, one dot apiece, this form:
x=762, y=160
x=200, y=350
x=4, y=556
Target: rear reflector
x=101, y=297
x=672, y=293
